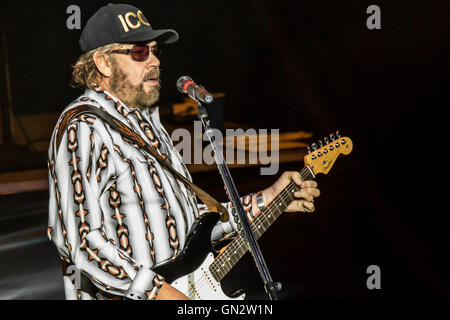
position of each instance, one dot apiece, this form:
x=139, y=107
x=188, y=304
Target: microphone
x=186, y=85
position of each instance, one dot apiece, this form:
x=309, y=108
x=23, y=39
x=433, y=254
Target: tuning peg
x=338, y=134
x=308, y=149
x=320, y=143
x=332, y=137
x=327, y=141
x=314, y=146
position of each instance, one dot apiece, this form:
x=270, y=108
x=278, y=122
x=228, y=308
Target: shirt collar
x=152, y=112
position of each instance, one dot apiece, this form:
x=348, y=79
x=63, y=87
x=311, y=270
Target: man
x=114, y=211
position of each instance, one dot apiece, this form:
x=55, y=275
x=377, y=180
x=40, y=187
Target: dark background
x=297, y=65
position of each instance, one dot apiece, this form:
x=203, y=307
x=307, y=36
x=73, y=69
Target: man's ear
x=102, y=64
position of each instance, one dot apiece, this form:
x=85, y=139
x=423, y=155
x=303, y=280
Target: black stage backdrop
x=302, y=65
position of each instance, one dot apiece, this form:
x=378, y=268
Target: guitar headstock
x=322, y=155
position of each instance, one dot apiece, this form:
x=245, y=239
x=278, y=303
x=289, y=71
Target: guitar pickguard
x=200, y=284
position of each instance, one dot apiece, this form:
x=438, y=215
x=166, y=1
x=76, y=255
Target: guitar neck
x=238, y=247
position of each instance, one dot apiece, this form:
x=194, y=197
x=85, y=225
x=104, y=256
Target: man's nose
x=153, y=61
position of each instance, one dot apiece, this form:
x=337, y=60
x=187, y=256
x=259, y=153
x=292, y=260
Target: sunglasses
x=140, y=52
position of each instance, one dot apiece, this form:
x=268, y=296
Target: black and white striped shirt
x=114, y=212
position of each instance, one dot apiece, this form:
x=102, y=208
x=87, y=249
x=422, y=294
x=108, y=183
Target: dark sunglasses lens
x=140, y=53
x=155, y=51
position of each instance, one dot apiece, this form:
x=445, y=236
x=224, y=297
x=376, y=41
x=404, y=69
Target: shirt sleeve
x=223, y=230
x=82, y=170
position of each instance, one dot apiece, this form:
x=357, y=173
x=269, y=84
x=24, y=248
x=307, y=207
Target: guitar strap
x=132, y=136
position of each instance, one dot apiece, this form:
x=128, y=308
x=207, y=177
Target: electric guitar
x=198, y=269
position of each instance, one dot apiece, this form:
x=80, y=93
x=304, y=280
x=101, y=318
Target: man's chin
x=148, y=101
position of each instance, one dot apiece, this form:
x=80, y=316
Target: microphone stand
x=270, y=286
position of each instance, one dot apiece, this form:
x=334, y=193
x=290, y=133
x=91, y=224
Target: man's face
x=136, y=83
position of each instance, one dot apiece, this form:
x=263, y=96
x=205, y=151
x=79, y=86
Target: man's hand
x=167, y=292
x=304, y=201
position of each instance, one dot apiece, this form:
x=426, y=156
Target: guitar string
x=257, y=220
x=261, y=219
x=264, y=218
x=200, y=284
x=239, y=244
x=285, y=195
x=282, y=198
x=304, y=175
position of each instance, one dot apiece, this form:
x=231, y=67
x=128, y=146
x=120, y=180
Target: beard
x=135, y=96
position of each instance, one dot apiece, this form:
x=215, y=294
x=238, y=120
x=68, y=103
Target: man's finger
x=303, y=194
x=313, y=191
x=308, y=206
x=297, y=178
x=309, y=184
x=308, y=193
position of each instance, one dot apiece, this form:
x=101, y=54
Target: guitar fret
x=234, y=259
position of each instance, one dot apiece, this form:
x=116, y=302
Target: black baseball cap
x=121, y=23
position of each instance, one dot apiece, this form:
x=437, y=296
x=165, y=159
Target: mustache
x=153, y=74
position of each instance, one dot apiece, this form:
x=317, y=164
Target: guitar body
x=189, y=272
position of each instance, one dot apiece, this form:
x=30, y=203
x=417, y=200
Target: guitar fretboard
x=238, y=247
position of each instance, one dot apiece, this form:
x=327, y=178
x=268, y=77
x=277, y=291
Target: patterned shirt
x=114, y=212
